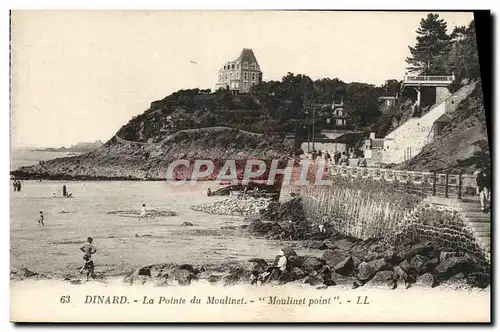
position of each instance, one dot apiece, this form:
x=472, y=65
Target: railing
x=435, y=184
x=429, y=78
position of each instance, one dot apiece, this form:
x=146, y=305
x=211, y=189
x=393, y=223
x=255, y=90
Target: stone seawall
x=368, y=209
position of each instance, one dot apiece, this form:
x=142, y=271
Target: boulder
x=145, y=271
x=288, y=251
x=356, y=261
x=382, y=278
x=297, y=273
x=183, y=277
x=314, y=279
x=426, y=280
x=296, y=261
x=187, y=267
x=453, y=266
x=334, y=256
x=327, y=244
x=392, y=257
x=444, y=255
x=187, y=223
x=236, y=276
x=479, y=279
x=366, y=271
x=381, y=265
x=427, y=249
x=405, y=265
x=345, y=267
x=311, y=263
x=214, y=279
x=419, y=263
x=342, y=280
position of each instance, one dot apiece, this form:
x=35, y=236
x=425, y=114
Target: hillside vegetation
x=462, y=145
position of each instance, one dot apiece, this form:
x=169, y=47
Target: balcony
x=428, y=80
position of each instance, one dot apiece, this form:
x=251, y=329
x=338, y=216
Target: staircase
x=477, y=221
x=407, y=140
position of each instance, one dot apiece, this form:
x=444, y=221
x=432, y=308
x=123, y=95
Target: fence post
x=434, y=185
x=446, y=187
x=460, y=186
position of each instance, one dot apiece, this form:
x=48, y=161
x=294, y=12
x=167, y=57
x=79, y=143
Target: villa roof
x=247, y=56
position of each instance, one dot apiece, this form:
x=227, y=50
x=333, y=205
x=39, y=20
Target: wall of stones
x=444, y=227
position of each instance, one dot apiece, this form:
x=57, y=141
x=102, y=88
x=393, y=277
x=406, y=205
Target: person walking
x=483, y=186
x=40, y=218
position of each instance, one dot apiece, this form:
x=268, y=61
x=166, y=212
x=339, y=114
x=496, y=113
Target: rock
x=444, y=255
x=187, y=223
x=405, y=265
x=258, y=261
x=345, y=267
x=452, y=266
x=356, y=261
x=479, y=279
x=183, y=277
x=333, y=257
x=187, y=267
x=381, y=278
x=297, y=273
x=145, y=271
x=366, y=271
x=327, y=244
x=419, y=263
x=342, y=280
x=426, y=280
x=296, y=261
x=236, y=276
x=380, y=264
x=288, y=251
x=427, y=249
x=213, y=279
x=311, y=263
x=314, y=279
x=392, y=257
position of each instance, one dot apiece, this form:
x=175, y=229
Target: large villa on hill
x=241, y=74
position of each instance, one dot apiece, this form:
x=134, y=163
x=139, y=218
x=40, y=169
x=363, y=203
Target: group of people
x=338, y=158
x=17, y=185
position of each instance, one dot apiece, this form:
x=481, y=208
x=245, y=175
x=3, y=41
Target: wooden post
x=434, y=185
x=446, y=187
x=460, y=186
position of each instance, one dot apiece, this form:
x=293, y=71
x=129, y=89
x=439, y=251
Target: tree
x=432, y=41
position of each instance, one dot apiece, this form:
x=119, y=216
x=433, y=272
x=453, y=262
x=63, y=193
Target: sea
x=123, y=242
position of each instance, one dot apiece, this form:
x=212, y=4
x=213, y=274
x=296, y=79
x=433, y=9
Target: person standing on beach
x=64, y=192
x=143, y=212
x=40, y=218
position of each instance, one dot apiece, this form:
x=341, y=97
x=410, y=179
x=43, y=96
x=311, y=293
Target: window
x=232, y=66
x=225, y=76
x=245, y=76
x=253, y=76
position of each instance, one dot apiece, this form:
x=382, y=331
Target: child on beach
x=88, y=248
x=143, y=212
x=88, y=267
x=40, y=218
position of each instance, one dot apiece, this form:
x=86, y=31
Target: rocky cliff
x=119, y=159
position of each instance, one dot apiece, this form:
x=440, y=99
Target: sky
x=80, y=75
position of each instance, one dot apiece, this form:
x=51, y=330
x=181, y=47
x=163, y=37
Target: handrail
x=426, y=180
x=428, y=78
